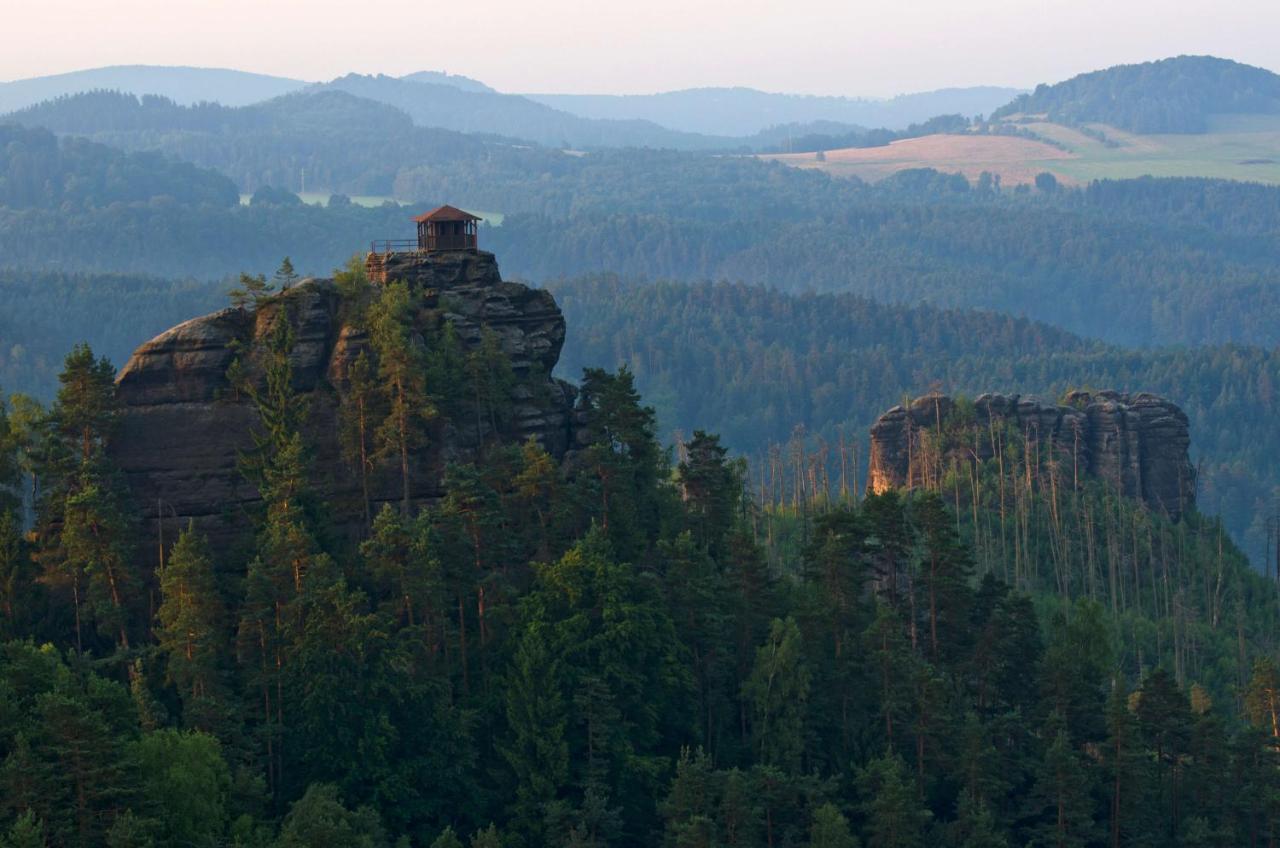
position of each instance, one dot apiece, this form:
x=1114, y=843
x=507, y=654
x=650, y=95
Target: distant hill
x=180, y=84
x=1175, y=95
x=442, y=78
x=102, y=113
x=318, y=140
x=745, y=111
x=40, y=171
x=453, y=108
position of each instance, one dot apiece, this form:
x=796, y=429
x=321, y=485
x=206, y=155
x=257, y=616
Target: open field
x=1239, y=147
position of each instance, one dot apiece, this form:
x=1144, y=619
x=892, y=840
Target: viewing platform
x=443, y=229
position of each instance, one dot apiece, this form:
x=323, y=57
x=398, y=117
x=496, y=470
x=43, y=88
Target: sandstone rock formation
x=182, y=427
x=1136, y=443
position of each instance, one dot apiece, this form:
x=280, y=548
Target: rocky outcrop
x=183, y=427
x=1136, y=443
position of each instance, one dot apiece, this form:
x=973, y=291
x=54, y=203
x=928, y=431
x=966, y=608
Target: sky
x=843, y=47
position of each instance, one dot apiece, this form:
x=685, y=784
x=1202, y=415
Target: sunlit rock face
x=1137, y=443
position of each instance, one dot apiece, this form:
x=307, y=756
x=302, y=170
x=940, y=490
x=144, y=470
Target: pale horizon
x=563, y=46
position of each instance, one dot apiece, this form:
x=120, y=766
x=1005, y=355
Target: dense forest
x=37, y=171
x=755, y=364
x=1131, y=262
x=329, y=139
x=632, y=647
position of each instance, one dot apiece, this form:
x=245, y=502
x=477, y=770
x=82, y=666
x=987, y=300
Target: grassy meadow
x=1238, y=147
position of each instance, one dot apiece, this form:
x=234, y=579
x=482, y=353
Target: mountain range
x=694, y=119
x=746, y=111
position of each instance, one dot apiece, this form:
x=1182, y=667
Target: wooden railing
x=451, y=242
x=394, y=246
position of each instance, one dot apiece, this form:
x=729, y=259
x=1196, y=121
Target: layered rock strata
x=1136, y=443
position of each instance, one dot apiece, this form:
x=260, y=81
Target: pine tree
x=489, y=372
x=83, y=523
x=359, y=414
x=688, y=812
x=976, y=827
x=401, y=371
x=27, y=832
x=191, y=633
x=447, y=839
x=623, y=458
x=251, y=291
x=86, y=408
x=1262, y=697
x=778, y=691
x=285, y=277
x=830, y=829
x=95, y=543
x=407, y=574
x=1164, y=721
x=319, y=819
x=18, y=573
x=1061, y=797
x=895, y=818
x=537, y=715
x=1124, y=760
x=712, y=489
x=945, y=571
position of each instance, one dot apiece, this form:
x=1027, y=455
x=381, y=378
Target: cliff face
x=182, y=427
x=1136, y=443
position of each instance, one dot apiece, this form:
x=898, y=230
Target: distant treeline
x=753, y=364
x=1185, y=261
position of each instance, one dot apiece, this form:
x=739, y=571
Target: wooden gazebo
x=447, y=228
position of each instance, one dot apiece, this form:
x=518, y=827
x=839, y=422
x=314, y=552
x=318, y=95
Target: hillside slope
x=453, y=108
x=182, y=84
x=1175, y=95
x=746, y=111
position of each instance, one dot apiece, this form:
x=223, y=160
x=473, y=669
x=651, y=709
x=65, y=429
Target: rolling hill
x=180, y=84
x=472, y=111
x=317, y=139
x=1177, y=95
x=1189, y=116
x=746, y=111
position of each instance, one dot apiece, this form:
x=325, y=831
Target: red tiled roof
x=447, y=213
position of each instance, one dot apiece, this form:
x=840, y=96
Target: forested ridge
x=1175, y=95
x=327, y=139
x=1132, y=262
x=632, y=647
x=755, y=364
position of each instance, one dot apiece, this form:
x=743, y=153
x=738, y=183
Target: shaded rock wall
x=183, y=428
x=1137, y=443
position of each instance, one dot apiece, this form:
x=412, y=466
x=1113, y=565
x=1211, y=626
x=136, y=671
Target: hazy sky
x=815, y=46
